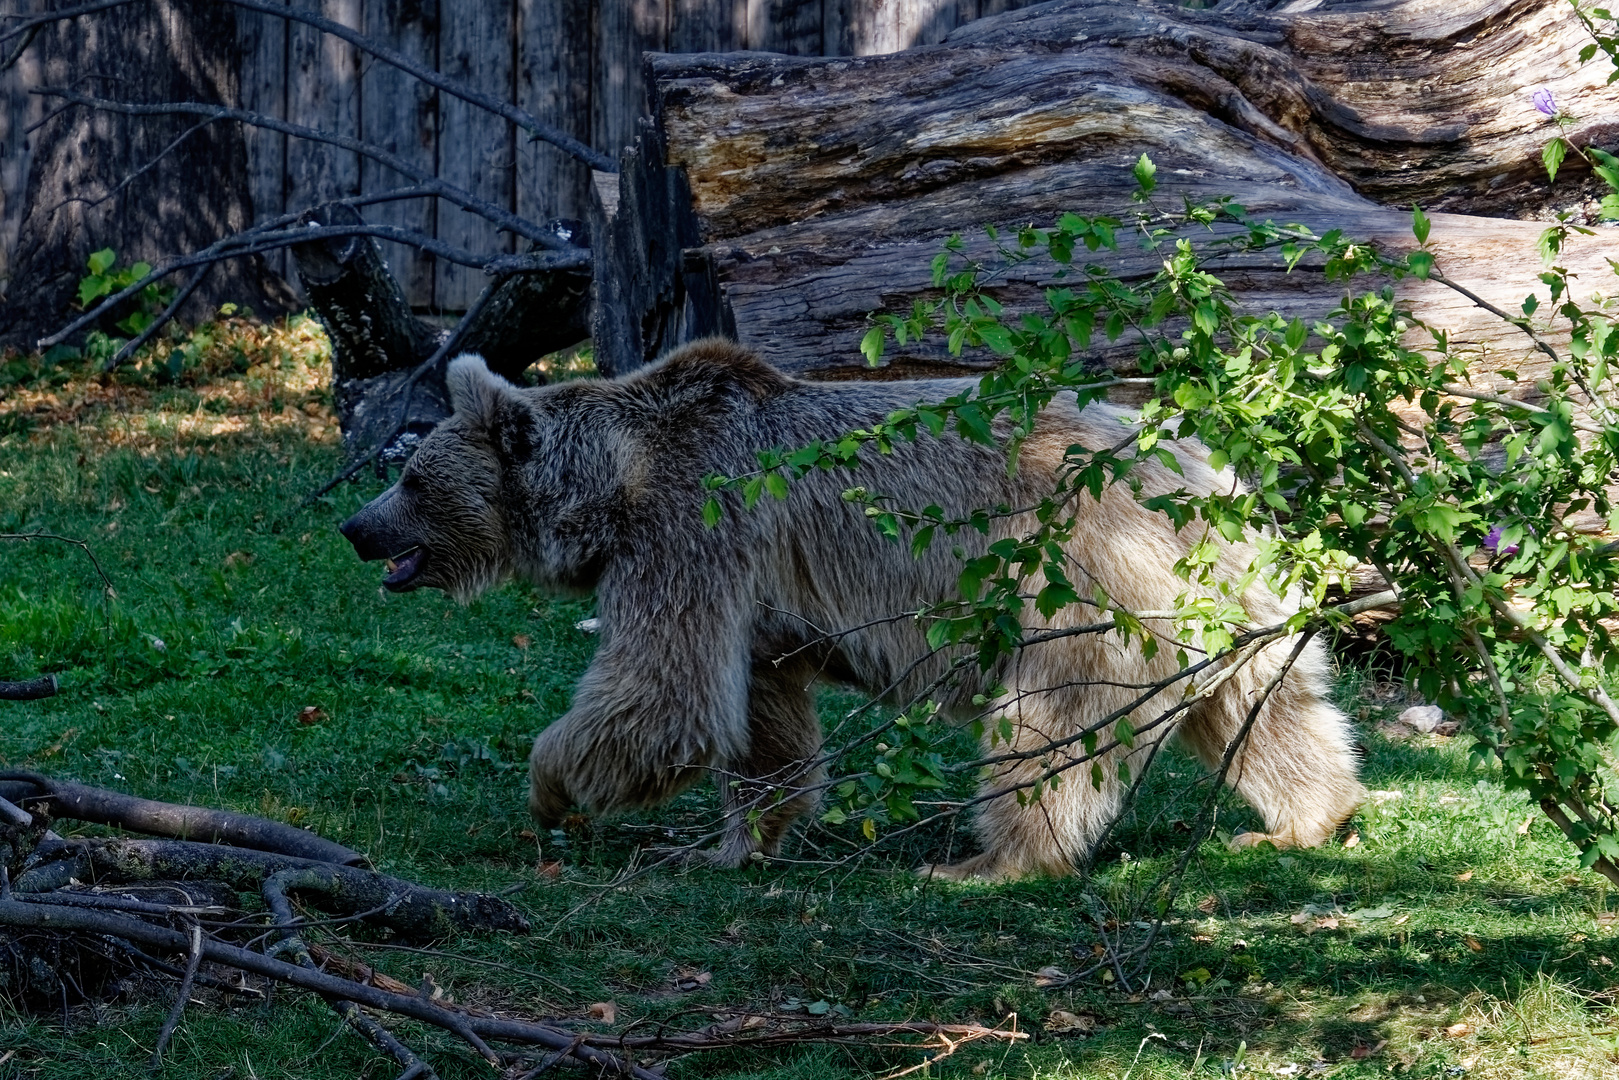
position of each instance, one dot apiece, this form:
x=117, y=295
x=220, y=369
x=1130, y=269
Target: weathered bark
x=782, y=199
x=377, y=342
x=79, y=802
x=28, y=689
x=191, y=193
x=403, y=906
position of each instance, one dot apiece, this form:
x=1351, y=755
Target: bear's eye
x=410, y=482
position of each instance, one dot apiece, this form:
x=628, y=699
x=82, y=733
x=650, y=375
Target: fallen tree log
x=782, y=199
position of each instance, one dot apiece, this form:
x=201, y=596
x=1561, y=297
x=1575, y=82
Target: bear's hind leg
x=1298, y=767
x=1022, y=835
x=769, y=789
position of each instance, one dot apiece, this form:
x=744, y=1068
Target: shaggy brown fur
x=597, y=485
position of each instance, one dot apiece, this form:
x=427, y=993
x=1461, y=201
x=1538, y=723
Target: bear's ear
x=475, y=391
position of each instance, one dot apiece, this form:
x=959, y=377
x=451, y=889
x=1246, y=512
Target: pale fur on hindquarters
x=598, y=485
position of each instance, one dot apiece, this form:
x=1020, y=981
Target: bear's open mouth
x=403, y=568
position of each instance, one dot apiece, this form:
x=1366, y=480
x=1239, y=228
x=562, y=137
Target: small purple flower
x=1493, y=542
x=1543, y=101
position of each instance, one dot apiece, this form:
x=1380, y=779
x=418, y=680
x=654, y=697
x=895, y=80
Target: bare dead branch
x=255, y=241
x=14, y=815
x=28, y=689
x=181, y=998
x=495, y=215
x=102, y=807
x=78, y=920
x=80, y=544
x=527, y=121
x=411, y=909
x=530, y=123
x=275, y=896
x=408, y=390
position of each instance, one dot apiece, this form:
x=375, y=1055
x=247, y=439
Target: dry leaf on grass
x=688, y=979
x=1048, y=977
x=605, y=1011
x=1063, y=1022
x=1465, y=875
x=522, y=641
x=1362, y=1052
x=1459, y=1031
x=1473, y=943
x=311, y=714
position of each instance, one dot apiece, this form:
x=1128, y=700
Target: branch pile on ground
x=213, y=899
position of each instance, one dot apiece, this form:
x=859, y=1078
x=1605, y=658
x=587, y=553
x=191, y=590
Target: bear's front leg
x=548, y=794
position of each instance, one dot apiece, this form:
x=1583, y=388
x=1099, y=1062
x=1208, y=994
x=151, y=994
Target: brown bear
x=712, y=638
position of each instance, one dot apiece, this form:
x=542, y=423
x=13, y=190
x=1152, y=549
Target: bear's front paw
x=548, y=801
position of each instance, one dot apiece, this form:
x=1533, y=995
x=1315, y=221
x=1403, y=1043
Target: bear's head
x=444, y=523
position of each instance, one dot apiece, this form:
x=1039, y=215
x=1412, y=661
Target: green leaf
x=101, y=261
x=1530, y=303
x=872, y=346
x=1145, y=172
x=996, y=336
x=1421, y=263
x=1419, y=224
x=1552, y=155
x=1296, y=333
x=92, y=287
x=711, y=512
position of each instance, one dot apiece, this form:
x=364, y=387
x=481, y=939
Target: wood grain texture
x=1421, y=99
x=820, y=189
x=553, y=83
x=21, y=111
x=323, y=91
x=625, y=31
x=400, y=114
x=264, y=90
x=475, y=46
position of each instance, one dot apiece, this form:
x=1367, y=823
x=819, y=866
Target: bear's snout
x=371, y=540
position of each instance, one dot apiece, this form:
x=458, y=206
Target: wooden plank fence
x=573, y=63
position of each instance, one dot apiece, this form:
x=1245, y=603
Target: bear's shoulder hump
x=719, y=364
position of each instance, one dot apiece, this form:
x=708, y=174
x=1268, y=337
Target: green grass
x=425, y=712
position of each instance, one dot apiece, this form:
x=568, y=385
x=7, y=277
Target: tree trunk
x=377, y=342
x=782, y=199
x=144, y=186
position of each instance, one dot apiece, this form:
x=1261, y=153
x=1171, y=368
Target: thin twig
x=256, y=241
x=490, y=212
x=181, y=998
x=80, y=544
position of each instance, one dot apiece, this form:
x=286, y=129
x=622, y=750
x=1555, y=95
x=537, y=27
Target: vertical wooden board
x=323, y=91
x=932, y=21
x=264, y=90
x=708, y=25
x=476, y=148
x=399, y=113
x=885, y=26
x=21, y=111
x=553, y=83
x=837, y=27
x=625, y=30
x=794, y=27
